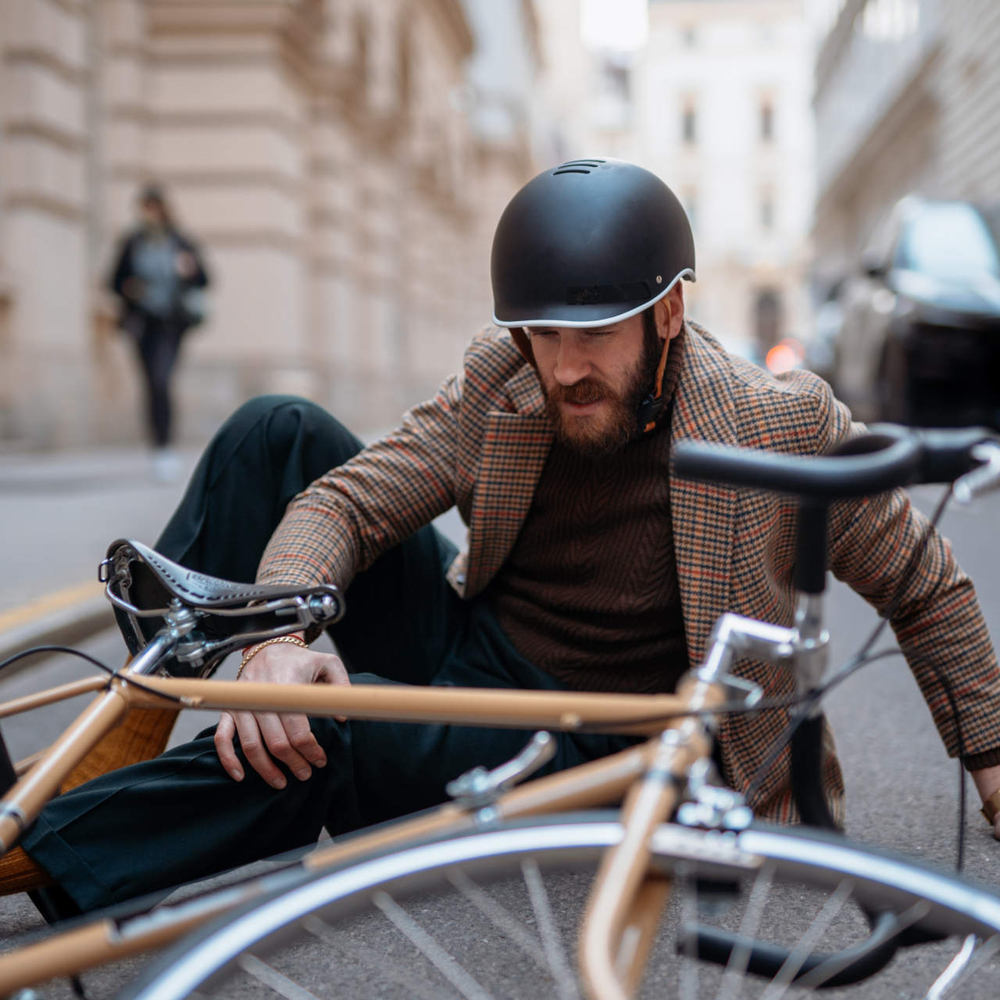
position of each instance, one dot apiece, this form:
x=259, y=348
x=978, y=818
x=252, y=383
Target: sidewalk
x=58, y=514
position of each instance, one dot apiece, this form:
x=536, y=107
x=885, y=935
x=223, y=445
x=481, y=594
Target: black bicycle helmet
x=588, y=243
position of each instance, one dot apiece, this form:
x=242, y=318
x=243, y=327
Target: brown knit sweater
x=589, y=593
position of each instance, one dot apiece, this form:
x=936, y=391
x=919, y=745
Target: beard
x=614, y=425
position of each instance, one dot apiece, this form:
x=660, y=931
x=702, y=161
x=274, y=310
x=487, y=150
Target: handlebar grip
x=948, y=454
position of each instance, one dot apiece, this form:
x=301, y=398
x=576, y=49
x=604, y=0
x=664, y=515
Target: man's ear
x=669, y=313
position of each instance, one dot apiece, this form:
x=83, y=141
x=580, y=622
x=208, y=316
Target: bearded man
x=588, y=565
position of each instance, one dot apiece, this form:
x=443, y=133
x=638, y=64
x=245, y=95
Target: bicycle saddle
x=146, y=587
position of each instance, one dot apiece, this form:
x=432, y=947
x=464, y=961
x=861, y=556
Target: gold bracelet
x=252, y=651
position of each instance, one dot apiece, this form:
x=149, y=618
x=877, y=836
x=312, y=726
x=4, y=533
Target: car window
x=949, y=240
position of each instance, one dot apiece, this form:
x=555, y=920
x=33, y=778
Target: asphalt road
x=902, y=789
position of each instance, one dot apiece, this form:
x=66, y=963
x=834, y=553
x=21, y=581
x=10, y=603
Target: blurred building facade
x=721, y=110
x=907, y=100
x=342, y=162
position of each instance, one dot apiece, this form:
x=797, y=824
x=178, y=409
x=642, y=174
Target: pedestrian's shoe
x=166, y=465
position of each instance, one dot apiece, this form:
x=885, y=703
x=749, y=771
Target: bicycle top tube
x=888, y=457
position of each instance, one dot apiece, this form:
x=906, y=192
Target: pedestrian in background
x=160, y=279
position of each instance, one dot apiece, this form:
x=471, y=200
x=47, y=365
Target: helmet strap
x=523, y=343
x=652, y=407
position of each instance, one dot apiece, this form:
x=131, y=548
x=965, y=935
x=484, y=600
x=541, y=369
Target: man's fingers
x=253, y=746
x=224, y=733
x=279, y=745
x=333, y=671
x=301, y=737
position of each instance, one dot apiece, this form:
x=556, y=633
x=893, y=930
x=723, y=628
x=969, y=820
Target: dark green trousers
x=181, y=817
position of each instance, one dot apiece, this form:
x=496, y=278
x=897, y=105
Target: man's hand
x=987, y=781
x=267, y=735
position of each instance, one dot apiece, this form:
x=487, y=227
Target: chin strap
x=652, y=407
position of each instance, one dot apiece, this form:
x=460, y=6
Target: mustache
x=587, y=390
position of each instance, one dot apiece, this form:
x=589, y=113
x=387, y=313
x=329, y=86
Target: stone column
x=43, y=181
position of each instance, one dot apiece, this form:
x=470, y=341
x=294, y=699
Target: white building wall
x=723, y=61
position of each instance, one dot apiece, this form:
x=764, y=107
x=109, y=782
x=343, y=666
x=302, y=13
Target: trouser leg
x=272, y=448
x=269, y=450
x=158, y=348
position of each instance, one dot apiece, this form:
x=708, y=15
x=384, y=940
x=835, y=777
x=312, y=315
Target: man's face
x=595, y=379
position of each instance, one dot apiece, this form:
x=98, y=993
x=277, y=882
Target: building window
x=766, y=120
x=767, y=210
x=889, y=21
x=689, y=124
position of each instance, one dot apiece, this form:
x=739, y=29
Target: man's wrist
x=251, y=651
x=987, y=781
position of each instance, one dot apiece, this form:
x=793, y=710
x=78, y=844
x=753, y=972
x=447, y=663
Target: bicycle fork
x=628, y=897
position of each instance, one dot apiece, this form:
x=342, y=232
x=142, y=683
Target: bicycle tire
x=224, y=959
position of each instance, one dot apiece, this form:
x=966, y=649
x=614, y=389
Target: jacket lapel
x=702, y=513
x=514, y=447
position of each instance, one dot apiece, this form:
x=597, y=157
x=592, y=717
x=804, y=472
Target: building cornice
x=48, y=59
x=294, y=28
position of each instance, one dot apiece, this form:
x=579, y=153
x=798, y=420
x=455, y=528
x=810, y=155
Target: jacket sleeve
x=122, y=270
x=887, y=551
x=341, y=523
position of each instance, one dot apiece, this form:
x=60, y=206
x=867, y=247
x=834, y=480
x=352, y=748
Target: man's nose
x=572, y=363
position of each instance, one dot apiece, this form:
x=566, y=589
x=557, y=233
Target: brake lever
x=984, y=478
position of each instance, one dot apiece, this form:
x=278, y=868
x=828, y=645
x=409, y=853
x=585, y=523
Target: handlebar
x=888, y=457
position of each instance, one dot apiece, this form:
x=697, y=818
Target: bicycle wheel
x=504, y=904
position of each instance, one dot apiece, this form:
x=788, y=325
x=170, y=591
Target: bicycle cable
x=127, y=678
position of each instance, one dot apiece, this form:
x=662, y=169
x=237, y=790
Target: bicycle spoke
x=779, y=987
x=688, y=894
x=549, y=932
x=273, y=979
x=966, y=968
x=732, y=979
x=954, y=970
x=426, y=944
x=377, y=963
x=498, y=915
x=833, y=965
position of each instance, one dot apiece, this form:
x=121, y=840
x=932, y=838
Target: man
x=588, y=565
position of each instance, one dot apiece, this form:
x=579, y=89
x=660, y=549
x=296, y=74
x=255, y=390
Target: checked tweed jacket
x=482, y=442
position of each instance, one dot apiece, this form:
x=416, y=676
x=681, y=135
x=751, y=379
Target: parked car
x=919, y=341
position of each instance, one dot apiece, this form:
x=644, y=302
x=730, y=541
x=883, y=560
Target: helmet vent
x=577, y=167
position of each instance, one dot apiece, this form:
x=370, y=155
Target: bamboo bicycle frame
x=623, y=898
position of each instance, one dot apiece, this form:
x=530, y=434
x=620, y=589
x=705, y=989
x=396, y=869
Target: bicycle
x=676, y=831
